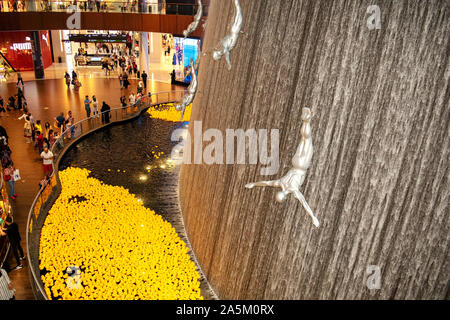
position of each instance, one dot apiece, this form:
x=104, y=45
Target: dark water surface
x=128, y=147
x=122, y=154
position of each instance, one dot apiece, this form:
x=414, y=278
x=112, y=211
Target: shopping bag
x=16, y=175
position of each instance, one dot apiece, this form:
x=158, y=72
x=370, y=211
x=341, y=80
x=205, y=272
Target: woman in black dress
x=105, y=113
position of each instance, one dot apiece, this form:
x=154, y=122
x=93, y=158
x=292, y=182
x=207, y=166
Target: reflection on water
x=134, y=155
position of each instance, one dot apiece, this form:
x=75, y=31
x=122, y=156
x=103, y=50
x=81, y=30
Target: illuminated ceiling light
x=143, y=177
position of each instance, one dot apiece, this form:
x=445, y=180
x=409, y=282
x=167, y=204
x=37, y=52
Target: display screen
x=185, y=50
x=98, y=38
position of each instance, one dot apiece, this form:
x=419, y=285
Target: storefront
x=89, y=48
x=181, y=51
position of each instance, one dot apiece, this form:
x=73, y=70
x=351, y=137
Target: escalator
x=6, y=68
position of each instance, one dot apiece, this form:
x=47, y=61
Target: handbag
x=16, y=175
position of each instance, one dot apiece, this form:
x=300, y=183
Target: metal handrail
x=35, y=278
x=7, y=243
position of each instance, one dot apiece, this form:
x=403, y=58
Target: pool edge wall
x=377, y=182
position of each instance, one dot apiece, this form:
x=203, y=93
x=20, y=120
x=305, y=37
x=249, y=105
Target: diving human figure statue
x=230, y=40
x=197, y=19
x=294, y=178
x=191, y=91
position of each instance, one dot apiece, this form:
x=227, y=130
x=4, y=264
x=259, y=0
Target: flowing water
x=136, y=155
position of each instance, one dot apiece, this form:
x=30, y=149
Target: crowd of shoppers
x=10, y=175
x=72, y=81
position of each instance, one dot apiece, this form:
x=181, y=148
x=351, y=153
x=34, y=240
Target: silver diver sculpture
x=197, y=19
x=230, y=40
x=294, y=178
x=191, y=91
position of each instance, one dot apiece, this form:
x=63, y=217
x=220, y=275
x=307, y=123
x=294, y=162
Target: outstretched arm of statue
x=227, y=58
x=303, y=154
x=270, y=183
x=302, y=199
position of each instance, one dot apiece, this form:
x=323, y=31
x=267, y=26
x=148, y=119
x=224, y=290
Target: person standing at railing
x=61, y=122
x=12, y=231
x=47, y=157
x=144, y=78
x=95, y=107
x=70, y=122
x=44, y=182
x=8, y=176
x=51, y=138
x=105, y=113
x=40, y=141
x=132, y=99
x=46, y=129
x=87, y=106
x=123, y=102
x=97, y=3
x=140, y=87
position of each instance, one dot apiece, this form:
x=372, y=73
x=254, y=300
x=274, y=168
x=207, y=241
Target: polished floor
x=159, y=72
x=46, y=99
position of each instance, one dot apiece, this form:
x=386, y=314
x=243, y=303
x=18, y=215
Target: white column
x=143, y=52
x=58, y=45
x=155, y=47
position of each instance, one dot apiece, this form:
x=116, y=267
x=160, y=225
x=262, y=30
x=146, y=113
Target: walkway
x=46, y=99
x=159, y=72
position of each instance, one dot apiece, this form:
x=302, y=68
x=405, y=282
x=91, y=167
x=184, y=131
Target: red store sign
x=16, y=47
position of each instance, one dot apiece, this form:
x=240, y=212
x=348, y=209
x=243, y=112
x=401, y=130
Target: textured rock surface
x=378, y=182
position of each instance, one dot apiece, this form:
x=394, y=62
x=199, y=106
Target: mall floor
x=159, y=72
x=46, y=99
